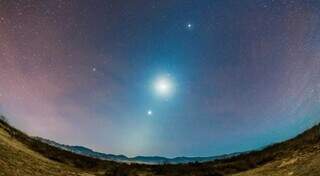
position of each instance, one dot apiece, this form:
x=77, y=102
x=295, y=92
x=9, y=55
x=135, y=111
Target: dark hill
x=21, y=154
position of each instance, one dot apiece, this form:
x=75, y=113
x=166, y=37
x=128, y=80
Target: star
x=149, y=113
x=94, y=69
x=163, y=86
x=189, y=26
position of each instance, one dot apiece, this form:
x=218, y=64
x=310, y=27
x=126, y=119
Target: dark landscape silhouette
x=25, y=155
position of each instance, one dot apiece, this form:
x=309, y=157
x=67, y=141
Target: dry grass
x=299, y=164
x=16, y=159
x=26, y=156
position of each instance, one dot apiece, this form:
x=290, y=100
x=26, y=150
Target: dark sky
x=241, y=74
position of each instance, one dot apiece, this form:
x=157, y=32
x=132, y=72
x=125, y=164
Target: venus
x=163, y=86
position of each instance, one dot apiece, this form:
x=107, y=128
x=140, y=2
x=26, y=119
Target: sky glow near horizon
x=169, y=78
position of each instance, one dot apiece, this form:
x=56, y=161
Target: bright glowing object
x=163, y=86
x=149, y=113
x=189, y=26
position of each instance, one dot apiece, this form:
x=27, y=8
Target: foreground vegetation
x=21, y=154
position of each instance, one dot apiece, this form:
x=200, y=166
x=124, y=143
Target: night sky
x=169, y=77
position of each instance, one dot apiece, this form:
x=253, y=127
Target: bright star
x=149, y=112
x=189, y=26
x=163, y=86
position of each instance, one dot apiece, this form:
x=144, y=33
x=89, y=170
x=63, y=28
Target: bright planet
x=163, y=86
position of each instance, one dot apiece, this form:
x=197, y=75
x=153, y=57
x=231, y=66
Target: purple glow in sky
x=238, y=75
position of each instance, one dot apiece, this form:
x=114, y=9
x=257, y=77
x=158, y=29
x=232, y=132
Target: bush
x=3, y=118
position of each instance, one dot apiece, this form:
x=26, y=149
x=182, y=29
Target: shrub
x=3, y=118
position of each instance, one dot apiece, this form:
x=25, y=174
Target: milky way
x=246, y=74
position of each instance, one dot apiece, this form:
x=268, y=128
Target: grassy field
x=22, y=155
x=16, y=159
x=299, y=164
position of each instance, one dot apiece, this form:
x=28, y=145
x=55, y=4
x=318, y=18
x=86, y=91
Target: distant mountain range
x=30, y=156
x=138, y=159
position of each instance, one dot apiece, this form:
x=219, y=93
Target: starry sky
x=234, y=75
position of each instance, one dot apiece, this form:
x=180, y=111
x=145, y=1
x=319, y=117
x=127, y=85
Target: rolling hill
x=138, y=159
x=23, y=155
